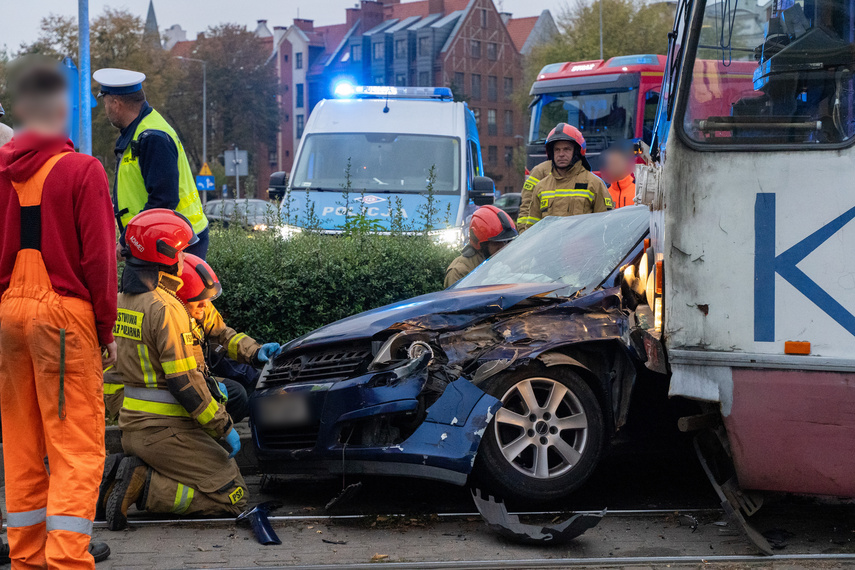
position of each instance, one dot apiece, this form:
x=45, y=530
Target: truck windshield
x=379, y=162
x=577, y=253
x=602, y=116
x=768, y=73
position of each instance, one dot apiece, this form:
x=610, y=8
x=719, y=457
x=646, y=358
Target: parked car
x=510, y=203
x=251, y=214
x=524, y=369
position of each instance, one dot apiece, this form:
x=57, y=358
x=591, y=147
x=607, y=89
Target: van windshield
x=379, y=162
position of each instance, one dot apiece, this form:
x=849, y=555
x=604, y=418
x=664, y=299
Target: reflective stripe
x=527, y=220
x=183, y=498
x=567, y=194
x=156, y=408
x=72, y=524
x=179, y=366
x=208, y=413
x=25, y=518
x=147, y=369
x=149, y=395
x=113, y=388
x=233, y=345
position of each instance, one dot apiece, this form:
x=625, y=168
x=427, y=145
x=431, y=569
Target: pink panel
x=794, y=431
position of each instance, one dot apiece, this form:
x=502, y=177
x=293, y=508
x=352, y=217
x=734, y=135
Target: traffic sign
x=205, y=183
x=237, y=162
x=206, y=170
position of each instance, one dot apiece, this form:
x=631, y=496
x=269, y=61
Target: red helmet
x=565, y=132
x=490, y=223
x=157, y=235
x=200, y=281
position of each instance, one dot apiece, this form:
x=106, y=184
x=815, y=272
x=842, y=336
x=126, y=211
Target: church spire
x=151, y=32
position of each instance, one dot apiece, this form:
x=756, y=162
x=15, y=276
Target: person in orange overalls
x=58, y=307
x=619, y=169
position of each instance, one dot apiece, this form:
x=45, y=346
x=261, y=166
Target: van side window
x=473, y=153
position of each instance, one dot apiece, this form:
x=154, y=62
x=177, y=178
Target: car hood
x=448, y=309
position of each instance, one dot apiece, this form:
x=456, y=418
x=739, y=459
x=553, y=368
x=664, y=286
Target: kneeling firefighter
x=170, y=420
x=489, y=231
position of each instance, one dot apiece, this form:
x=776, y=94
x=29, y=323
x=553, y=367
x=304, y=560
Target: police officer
x=570, y=188
x=489, y=231
x=152, y=170
x=170, y=421
x=537, y=174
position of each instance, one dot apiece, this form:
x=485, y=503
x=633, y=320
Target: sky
x=19, y=21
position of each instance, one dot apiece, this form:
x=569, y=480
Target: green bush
x=276, y=289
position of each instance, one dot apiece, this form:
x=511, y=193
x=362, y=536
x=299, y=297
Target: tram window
x=772, y=74
x=651, y=103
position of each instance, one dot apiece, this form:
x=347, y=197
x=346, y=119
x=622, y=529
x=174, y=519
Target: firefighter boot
x=129, y=488
x=108, y=481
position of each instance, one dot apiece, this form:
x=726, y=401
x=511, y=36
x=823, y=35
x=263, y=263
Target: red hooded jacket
x=78, y=228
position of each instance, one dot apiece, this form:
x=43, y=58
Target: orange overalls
x=51, y=404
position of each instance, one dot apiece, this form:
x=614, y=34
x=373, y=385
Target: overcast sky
x=19, y=21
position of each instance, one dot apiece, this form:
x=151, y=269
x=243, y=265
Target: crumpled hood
x=453, y=308
x=22, y=157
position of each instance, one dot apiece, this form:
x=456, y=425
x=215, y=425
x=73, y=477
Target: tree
x=242, y=87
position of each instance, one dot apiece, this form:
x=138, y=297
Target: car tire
x=566, y=423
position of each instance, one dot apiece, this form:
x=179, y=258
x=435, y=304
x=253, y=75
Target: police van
x=392, y=141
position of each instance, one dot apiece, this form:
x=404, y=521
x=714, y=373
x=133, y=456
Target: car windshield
x=379, y=162
x=577, y=253
x=603, y=117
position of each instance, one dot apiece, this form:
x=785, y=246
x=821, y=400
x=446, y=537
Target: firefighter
x=537, y=174
x=489, y=231
x=570, y=188
x=152, y=170
x=619, y=168
x=170, y=421
x=58, y=307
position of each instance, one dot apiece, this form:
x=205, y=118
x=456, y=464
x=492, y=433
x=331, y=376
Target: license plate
x=284, y=410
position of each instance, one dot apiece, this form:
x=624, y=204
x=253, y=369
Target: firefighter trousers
x=51, y=405
x=191, y=473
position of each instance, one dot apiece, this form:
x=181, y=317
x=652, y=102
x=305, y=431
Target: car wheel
x=545, y=440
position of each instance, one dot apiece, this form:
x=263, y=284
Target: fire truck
x=609, y=101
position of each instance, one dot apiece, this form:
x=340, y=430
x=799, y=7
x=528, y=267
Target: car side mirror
x=277, y=185
x=483, y=191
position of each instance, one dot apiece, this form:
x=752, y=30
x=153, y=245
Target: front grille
x=290, y=438
x=318, y=366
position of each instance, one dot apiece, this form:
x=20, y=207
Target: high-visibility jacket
x=537, y=174
x=578, y=191
x=161, y=364
x=213, y=330
x=463, y=265
x=623, y=191
x=131, y=192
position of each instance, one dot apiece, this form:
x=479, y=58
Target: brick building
x=463, y=44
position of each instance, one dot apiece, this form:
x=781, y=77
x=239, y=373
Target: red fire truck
x=609, y=101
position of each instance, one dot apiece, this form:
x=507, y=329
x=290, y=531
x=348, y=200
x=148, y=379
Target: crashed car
x=520, y=374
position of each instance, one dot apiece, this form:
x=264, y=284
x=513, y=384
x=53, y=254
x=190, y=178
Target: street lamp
x=204, y=111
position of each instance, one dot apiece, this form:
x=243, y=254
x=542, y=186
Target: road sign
x=205, y=183
x=237, y=163
x=205, y=170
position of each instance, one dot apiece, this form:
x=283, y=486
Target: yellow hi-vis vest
x=131, y=192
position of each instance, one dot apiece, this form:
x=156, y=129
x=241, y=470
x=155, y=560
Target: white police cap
x=118, y=81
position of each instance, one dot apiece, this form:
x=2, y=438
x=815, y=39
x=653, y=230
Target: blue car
x=520, y=374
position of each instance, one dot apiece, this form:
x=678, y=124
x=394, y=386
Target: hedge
x=276, y=289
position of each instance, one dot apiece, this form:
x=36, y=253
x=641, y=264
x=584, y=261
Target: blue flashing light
x=344, y=90
x=347, y=90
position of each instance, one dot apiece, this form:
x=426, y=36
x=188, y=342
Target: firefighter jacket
x=213, y=330
x=161, y=364
x=463, y=264
x=537, y=174
x=578, y=191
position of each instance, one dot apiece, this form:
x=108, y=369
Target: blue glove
x=267, y=350
x=223, y=391
x=233, y=441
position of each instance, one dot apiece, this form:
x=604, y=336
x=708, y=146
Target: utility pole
x=237, y=173
x=601, y=29
x=204, y=112
x=85, y=78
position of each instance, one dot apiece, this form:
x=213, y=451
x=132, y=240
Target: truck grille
x=318, y=366
x=290, y=438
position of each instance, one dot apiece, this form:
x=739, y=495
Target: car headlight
x=452, y=237
x=260, y=227
x=287, y=231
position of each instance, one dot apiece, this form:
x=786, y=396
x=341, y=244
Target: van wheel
x=546, y=439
